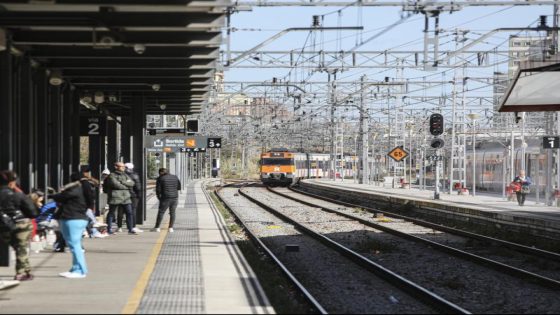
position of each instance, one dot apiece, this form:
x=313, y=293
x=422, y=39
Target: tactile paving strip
x=176, y=285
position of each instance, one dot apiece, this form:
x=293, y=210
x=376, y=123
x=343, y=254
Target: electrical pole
x=364, y=134
x=332, y=87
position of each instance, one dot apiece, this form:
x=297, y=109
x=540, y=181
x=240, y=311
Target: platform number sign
x=398, y=154
x=214, y=143
x=551, y=142
x=91, y=126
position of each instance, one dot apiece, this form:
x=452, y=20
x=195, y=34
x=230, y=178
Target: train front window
x=277, y=162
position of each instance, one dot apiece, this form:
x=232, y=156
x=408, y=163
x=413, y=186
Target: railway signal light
x=436, y=124
x=437, y=143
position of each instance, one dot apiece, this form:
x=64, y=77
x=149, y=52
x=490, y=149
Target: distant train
x=282, y=166
x=493, y=165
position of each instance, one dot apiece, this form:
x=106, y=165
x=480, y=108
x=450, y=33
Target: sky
x=262, y=23
x=254, y=27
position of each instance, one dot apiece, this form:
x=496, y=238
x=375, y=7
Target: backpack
x=7, y=223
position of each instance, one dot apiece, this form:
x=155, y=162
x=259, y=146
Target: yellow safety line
x=134, y=300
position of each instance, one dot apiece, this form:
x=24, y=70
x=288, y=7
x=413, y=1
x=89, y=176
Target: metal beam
x=415, y=6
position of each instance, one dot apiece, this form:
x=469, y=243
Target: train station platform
x=497, y=211
x=197, y=269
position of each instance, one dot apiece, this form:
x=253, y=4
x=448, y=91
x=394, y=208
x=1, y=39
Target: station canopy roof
x=164, y=50
x=535, y=88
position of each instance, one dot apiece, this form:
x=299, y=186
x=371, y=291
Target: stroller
x=45, y=220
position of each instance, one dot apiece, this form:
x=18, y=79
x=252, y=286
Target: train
x=281, y=166
x=493, y=165
x=284, y=167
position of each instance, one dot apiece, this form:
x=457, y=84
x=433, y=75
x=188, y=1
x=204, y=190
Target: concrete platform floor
x=122, y=268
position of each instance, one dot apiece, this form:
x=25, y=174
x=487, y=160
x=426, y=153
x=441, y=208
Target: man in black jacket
x=167, y=192
x=21, y=209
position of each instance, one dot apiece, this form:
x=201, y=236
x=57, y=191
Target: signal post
x=436, y=129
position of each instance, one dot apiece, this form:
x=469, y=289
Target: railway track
x=496, y=243
x=496, y=265
x=253, y=236
x=477, y=272
x=358, y=261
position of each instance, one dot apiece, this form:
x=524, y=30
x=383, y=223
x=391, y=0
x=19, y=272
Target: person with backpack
x=17, y=210
x=90, y=185
x=73, y=221
x=117, y=186
x=167, y=192
x=522, y=186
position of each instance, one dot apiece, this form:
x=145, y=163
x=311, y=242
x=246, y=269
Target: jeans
x=134, y=205
x=163, y=205
x=72, y=230
x=92, y=220
x=111, y=216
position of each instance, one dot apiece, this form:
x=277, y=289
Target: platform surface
x=196, y=269
x=481, y=201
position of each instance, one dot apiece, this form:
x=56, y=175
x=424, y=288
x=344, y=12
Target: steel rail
x=518, y=247
x=498, y=266
x=427, y=297
x=308, y=296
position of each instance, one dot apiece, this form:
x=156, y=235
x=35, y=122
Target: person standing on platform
x=90, y=185
x=167, y=192
x=135, y=193
x=21, y=209
x=522, y=186
x=73, y=222
x=117, y=186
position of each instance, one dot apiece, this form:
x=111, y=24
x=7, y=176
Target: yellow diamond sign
x=398, y=154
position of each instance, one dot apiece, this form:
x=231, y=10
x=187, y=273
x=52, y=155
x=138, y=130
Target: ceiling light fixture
x=56, y=78
x=99, y=97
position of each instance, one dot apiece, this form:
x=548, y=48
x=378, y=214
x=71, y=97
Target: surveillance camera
x=139, y=48
x=156, y=87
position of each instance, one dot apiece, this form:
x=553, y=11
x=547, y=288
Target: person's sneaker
x=24, y=277
x=64, y=274
x=7, y=284
x=156, y=230
x=171, y=230
x=74, y=275
x=132, y=233
x=137, y=230
x=100, y=235
x=119, y=230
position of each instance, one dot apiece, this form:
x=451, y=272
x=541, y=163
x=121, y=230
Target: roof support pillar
x=138, y=158
x=6, y=109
